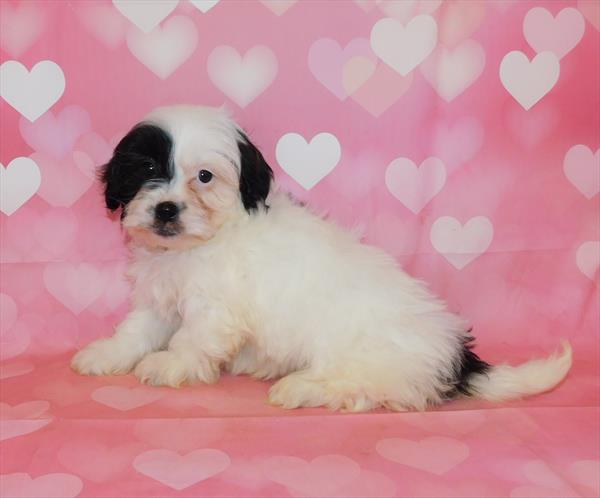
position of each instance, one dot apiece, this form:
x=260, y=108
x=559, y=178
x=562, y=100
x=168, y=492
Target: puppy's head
x=182, y=173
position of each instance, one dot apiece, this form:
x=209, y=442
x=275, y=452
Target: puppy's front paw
x=103, y=357
x=166, y=368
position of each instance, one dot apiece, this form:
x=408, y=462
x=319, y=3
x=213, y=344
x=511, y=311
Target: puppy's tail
x=504, y=382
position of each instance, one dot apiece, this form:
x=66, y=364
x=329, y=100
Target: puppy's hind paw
x=294, y=391
x=298, y=389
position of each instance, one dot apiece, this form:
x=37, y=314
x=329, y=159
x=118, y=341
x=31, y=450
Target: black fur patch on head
x=255, y=175
x=141, y=159
x=466, y=364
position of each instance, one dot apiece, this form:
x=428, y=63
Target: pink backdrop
x=461, y=136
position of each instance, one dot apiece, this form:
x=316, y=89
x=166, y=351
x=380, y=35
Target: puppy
x=229, y=274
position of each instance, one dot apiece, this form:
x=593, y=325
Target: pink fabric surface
x=478, y=170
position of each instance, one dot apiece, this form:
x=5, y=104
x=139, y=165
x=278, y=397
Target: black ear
x=255, y=175
x=143, y=155
x=108, y=175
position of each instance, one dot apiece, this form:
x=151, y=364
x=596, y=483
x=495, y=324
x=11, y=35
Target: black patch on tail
x=466, y=364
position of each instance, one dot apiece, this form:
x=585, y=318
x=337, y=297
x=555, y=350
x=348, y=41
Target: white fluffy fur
x=281, y=294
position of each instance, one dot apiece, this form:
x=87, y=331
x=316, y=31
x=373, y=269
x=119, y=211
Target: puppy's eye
x=205, y=176
x=150, y=168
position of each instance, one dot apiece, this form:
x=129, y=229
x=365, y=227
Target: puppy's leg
x=195, y=352
x=142, y=331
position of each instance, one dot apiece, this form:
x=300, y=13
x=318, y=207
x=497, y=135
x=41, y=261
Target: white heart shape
x=14, y=428
x=404, y=47
x=451, y=72
x=204, y=5
x=181, y=471
x=461, y=244
x=145, y=14
x=166, y=48
x=559, y=34
x=18, y=182
x=33, y=92
x=415, y=187
x=528, y=81
x=588, y=258
x=125, y=398
x=22, y=485
x=582, y=169
x=24, y=418
x=242, y=79
x=24, y=411
x=308, y=163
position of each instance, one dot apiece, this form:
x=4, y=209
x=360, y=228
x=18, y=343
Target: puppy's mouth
x=170, y=229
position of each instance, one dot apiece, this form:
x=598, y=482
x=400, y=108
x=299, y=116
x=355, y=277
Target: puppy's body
x=276, y=292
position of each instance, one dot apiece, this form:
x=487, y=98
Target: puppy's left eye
x=205, y=176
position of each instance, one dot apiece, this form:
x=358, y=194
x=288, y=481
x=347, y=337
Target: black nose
x=166, y=211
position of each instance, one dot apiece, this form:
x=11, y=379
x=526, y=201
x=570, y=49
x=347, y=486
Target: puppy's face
x=181, y=174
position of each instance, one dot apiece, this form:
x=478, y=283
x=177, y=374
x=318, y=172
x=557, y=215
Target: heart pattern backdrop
x=461, y=136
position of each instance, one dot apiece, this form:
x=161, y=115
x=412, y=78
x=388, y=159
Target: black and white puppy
x=230, y=274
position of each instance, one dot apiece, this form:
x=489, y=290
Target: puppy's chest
x=164, y=292
x=166, y=284
x=169, y=285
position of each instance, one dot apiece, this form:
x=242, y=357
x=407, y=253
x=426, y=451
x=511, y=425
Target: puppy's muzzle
x=166, y=219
